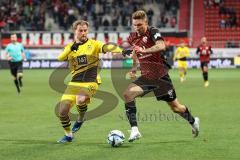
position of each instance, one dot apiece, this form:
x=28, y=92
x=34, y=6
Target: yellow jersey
x=84, y=62
x=182, y=53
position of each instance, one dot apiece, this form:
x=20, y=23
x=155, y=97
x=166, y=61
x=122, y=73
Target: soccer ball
x=115, y=138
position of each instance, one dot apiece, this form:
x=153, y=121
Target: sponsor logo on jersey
x=157, y=35
x=145, y=39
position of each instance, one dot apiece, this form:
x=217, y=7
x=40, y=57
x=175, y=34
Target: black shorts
x=204, y=64
x=162, y=88
x=16, y=67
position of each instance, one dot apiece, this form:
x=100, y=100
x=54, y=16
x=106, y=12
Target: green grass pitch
x=29, y=128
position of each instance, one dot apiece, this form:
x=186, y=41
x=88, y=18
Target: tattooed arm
x=159, y=46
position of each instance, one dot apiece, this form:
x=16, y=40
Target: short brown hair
x=140, y=14
x=79, y=22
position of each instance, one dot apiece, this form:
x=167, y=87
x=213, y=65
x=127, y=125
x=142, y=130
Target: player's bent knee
x=63, y=112
x=19, y=75
x=205, y=69
x=82, y=99
x=64, y=108
x=128, y=97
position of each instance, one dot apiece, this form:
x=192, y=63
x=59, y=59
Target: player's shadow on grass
x=97, y=144
x=167, y=142
x=28, y=141
x=126, y=145
x=48, y=142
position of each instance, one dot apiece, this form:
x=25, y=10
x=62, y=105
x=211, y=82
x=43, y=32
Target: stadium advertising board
x=214, y=63
x=60, y=39
x=48, y=64
x=117, y=63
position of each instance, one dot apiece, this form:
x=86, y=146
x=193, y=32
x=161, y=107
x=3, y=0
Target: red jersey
x=204, y=51
x=152, y=65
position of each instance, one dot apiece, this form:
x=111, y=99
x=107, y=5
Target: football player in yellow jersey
x=181, y=54
x=83, y=58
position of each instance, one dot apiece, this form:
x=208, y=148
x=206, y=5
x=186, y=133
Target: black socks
x=131, y=111
x=187, y=116
x=17, y=85
x=205, y=76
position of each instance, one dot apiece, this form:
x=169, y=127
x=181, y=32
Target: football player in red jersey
x=149, y=46
x=204, y=50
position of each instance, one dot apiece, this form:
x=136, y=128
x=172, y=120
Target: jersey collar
x=81, y=43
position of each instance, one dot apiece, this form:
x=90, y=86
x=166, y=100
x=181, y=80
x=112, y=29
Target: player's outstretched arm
x=24, y=56
x=111, y=48
x=64, y=55
x=159, y=46
x=116, y=49
x=23, y=53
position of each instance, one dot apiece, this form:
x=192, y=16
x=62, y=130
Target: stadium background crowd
x=108, y=15
x=44, y=15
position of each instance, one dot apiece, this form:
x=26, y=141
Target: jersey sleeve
x=7, y=49
x=22, y=48
x=187, y=52
x=155, y=34
x=198, y=50
x=64, y=55
x=210, y=49
x=99, y=45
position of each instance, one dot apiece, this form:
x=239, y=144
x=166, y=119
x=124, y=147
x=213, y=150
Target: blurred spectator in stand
x=233, y=20
x=231, y=44
x=115, y=20
x=173, y=22
x=106, y=21
x=164, y=20
x=222, y=23
x=150, y=14
x=2, y=21
x=208, y=3
x=49, y=14
x=174, y=6
x=71, y=17
x=167, y=5
x=222, y=9
x=216, y=2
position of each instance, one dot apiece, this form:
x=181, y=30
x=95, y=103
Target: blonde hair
x=79, y=22
x=140, y=14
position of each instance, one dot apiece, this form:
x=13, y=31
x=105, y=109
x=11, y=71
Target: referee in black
x=15, y=55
